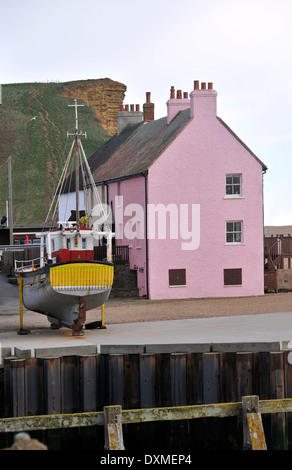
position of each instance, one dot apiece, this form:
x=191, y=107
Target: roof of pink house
x=140, y=146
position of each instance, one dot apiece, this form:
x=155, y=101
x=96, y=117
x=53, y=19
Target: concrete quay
x=245, y=333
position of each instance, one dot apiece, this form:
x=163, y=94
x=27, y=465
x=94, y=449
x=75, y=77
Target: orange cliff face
x=104, y=95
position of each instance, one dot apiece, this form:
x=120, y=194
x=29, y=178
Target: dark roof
x=141, y=149
x=102, y=154
x=143, y=146
x=134, y=150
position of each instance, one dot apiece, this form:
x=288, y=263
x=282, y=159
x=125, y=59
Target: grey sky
x=242, y=47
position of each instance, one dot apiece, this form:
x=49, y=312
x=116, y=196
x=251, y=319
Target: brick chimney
x=175, y=105
x=127, y=116
x=148, y=108
x=204, y=100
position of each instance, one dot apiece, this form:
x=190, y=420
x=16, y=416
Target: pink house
x=187, y=197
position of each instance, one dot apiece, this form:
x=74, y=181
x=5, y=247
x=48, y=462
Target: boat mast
x=76, y=135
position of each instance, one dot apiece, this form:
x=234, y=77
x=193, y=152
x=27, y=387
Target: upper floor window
x=233, y=184
x=234, y=232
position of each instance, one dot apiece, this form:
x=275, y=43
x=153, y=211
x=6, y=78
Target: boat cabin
x=68, y=242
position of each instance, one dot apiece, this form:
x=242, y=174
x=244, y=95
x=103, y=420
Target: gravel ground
x=142, y=310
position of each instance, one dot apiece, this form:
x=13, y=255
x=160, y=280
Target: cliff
x=104, y=95
x=34, y=120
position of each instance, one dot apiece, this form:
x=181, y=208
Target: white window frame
x=234, y=232
x=232, y=184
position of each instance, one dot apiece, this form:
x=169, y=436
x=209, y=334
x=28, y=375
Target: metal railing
x=120, y=253
x=113, y=418
x=27, y=265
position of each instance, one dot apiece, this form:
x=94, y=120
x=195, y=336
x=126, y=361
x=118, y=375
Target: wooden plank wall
x=87, y=383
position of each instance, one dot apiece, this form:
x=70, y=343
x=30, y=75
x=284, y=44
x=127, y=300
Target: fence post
x=113, y=429
x=253, y=431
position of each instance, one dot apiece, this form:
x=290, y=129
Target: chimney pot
x=132, y=107
x=174, y=106
x=126, y=107
x=137, y=107
x=148, y=108
x=196, y=85
x=122, y=107
x=203, y=104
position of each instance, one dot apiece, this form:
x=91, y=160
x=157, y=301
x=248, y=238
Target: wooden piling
x=8, y=389
x=88, y=383
x=116, y=379
x=34, y=386
x=163, y=379
x=194, y=373
x=18, y=387
x=148, y=395
x=131, y=382
x=211, y=377
x=244, y=375
x=102, y=381
x=178, y=379
x=147, y=380
x=211, y=394
x=278, y=420
x=52, y=389
x=69, y=384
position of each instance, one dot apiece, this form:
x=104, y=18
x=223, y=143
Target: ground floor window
x=233, y=277
x=177, y=277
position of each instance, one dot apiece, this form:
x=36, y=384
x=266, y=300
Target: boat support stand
x=79, y=322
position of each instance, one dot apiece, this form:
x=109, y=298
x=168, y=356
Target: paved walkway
x=265, y=332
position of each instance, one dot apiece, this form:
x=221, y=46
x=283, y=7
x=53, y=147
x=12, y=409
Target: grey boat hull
x=63, y=306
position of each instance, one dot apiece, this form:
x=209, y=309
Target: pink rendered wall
x=130, y=212
x=192, y=171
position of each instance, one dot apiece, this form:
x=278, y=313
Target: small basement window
x=233, y=277
x=177, y=277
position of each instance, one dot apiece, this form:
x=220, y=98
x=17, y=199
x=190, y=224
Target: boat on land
x=66, y=281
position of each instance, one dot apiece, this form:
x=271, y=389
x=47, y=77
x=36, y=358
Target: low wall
x=53, y=385
x=284, y=279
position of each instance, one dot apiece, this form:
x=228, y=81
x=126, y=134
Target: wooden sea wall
x=69, y=384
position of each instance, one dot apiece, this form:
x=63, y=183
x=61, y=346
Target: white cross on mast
x=76, y=134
